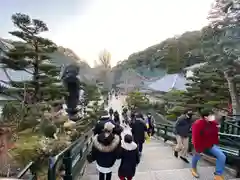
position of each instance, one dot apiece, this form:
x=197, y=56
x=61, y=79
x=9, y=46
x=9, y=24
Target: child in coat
x=129, y=156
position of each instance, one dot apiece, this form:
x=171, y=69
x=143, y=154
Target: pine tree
x=207, y=88
x=31, y=55
x=224, y=54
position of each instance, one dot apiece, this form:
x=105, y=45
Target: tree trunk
x=233, y=93
x=36, y=75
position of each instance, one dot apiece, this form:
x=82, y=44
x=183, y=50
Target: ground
x=157, y=162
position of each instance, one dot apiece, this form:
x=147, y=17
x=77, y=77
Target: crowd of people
x=204, y=139
x=110, y=143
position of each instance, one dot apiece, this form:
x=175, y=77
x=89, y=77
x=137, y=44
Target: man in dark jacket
x=111, y=112
x=139, y=129
x=104, y=119
x=116, y=117
x=182, y=130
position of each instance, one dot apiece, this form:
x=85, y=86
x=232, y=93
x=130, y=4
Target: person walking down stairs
x=99, y=127
x=150, y=123
x=205, y=139
x=116, y=117
x=105, y=151
x=182, y=131
x=139, y=132
x=129, y=157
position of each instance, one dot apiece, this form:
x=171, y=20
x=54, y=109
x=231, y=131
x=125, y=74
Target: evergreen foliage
x=31, y=56
x=207, y=88
x=137, y=101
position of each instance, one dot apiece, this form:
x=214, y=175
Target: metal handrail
x=63, y=155
x=30, y=167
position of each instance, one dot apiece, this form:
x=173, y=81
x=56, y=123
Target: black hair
x=128, y=138
x=205, y=112
x=186, y=111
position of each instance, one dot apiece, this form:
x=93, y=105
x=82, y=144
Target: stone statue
x=72, y=83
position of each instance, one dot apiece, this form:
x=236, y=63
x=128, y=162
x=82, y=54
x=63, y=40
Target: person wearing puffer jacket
x=99, y=127
x=129, y=156
x=105, y=151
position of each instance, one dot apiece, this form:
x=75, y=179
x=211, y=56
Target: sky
x=120, y=26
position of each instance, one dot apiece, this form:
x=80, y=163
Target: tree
x=105, y=65
x=174, y=104
x=105, y=59
x=171, y=55
x=225, y=24
x=207, y=88
x=137, y=101
x=91, y=93
x=31, y=56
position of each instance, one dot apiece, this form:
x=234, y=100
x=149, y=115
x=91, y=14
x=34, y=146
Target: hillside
x=169, y=56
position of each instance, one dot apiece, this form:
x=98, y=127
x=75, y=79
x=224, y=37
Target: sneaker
x=218, y=177
x=184, y=159
x=176, y=154
x=194, y=173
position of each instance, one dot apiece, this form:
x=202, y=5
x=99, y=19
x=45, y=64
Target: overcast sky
x=120, y=26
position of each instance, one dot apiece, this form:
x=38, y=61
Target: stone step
x=206, y=173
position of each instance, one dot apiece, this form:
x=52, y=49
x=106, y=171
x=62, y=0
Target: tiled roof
x=15, y=75
x=169, y=82
x=198, y=65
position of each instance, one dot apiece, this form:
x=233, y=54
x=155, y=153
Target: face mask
x=211, y=118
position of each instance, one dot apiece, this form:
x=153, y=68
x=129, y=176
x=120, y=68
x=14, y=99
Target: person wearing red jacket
x=205, y=139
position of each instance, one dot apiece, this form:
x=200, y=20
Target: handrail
x=67, y=157
x=30, y=167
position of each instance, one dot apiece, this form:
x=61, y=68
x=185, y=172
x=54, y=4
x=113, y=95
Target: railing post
x=222, y=124
x=238, y=166
x=190, y=144
x=165, y=133
x=51, y=169
x=67, y=160
x=158, y=130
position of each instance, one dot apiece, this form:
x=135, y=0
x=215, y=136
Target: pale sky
x=120, y=26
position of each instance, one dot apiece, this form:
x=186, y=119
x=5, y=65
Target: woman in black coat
x=105, y=151
x=129, y=156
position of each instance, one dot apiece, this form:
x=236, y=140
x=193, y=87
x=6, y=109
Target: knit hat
x=108, y=126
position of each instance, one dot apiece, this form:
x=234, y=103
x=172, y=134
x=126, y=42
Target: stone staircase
x=158, y=163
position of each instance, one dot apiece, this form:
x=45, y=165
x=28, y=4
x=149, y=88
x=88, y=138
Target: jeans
x=102, y=176
x=220, y=162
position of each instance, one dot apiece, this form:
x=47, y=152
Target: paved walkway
x=158, y=163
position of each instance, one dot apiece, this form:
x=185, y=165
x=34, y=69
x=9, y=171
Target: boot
x=195, y=173
x=218, y=177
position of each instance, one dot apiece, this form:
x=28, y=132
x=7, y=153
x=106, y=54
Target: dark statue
x=72, y=84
